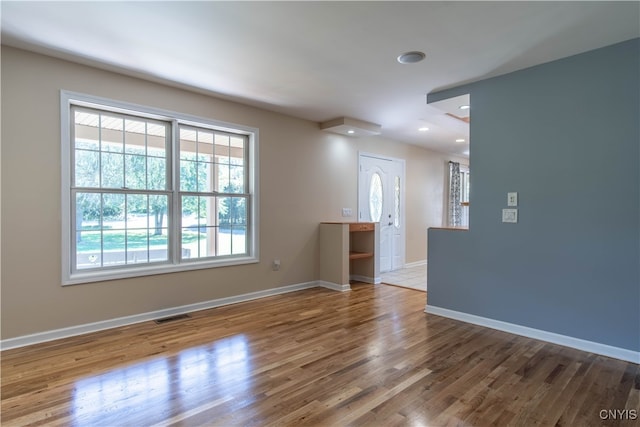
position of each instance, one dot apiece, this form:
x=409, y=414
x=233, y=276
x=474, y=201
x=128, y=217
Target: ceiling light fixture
x=411, y=57
x=459, y=140
x=351, y=131
x=423, y=129
x=464, y=107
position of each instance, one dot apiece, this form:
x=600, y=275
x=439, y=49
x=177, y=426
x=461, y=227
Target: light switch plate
x=512, y=199
x=510, y=215
x=346, y=212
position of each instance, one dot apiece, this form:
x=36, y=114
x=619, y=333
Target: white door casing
x=381, y=199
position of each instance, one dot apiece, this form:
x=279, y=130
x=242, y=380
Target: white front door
x=381, y=199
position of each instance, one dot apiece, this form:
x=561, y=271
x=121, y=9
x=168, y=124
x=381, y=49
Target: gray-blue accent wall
x=565, y=135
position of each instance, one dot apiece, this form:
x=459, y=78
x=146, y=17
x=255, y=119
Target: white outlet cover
x=512, y=199
x=510, y=215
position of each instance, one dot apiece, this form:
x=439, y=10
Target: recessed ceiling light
x=464, y=107
x=351, y=131
x=423, y=129
x=411, y=57
x=459, y=140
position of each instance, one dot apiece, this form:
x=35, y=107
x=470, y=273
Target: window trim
x=67, y=99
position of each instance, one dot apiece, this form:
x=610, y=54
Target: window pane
x=188, y=176
x=189, y=243
x=237, y=154
x=222, y=148
x=135, y=171
x=190, y=210
x=114, y=247
x=137, y=224
x=199, y=227
x=190, y=226
x=157, y=229
x=236, y=180
x=205, y=177
x=89, y=250
x=137, y=206
x=87, y=168
x=232, y=215
x=187, y=144
x=86, y=131
x=208, y=242
x=113, y=229
x=237, y=161
x=224, y=235
x=112, y=133
x=239, y=240
x=112, y=210
x=137, y=246
x=205, y=146
x=158, y=214
x=156, y=173
x=158, y=245
x=238, y=225
x=156, y=152
x=157, y=129
x=112, y=165
x=375, y=198
x=237, y=142
x=88, y=230
x=135, y=137
x=88, y=211
x=223, y=179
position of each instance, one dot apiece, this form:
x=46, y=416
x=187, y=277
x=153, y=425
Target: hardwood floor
x=315, y=357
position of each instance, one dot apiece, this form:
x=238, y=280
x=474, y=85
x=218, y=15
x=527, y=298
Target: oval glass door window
x=375, y=197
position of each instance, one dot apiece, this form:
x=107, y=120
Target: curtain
x=455, y=211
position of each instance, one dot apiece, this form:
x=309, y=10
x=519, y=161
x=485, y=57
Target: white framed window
x=147, y=191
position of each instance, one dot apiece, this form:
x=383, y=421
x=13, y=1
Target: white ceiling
x=322, y=60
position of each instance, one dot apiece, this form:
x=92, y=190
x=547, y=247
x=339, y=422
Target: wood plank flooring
x=367, y=357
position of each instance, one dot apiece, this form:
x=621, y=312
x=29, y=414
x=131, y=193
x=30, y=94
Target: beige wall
x=306, y=176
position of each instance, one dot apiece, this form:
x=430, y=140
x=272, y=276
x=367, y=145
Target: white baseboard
x=152, y=315
x=365, y=279
x=334, y=286
x=564, y=340
x=415, y=264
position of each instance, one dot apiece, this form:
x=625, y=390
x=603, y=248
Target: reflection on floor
x=412, y=277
